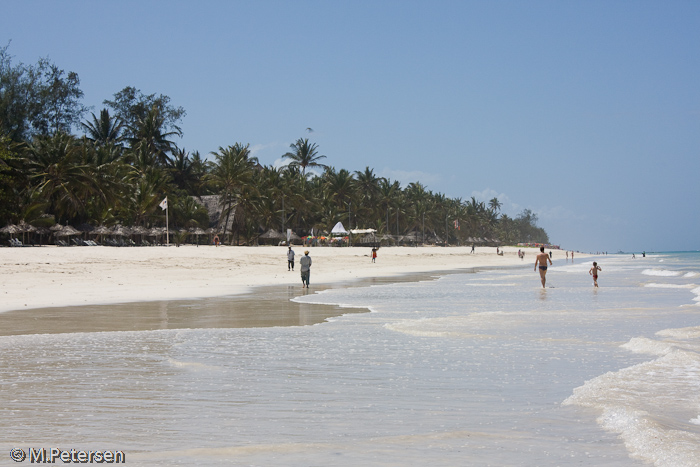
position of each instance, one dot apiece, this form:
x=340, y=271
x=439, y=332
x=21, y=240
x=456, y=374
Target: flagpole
x=167, y=227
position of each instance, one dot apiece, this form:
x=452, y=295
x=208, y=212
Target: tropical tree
x=367, y=187
x=182, y=170
x=10, y=180
x=37, y=100
x=389, y=196
x=232, y=175
x=56, y=172
x=131, y=106
x=150, y=133
x=104, y=130
x=339, y=188
x=303, y=155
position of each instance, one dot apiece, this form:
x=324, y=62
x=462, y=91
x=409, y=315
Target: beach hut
x=197, y=231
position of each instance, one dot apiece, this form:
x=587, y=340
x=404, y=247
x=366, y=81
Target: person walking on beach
x=290, y=259
x=472, y=249
x=541, y=260
x=594, y=272
x=305, y=263
x=374, y=254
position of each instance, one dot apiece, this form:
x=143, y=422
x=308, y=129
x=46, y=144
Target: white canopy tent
x=339, y=229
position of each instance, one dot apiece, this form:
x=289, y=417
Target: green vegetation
x=126, y=162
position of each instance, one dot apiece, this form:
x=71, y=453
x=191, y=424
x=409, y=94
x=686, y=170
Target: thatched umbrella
x=24, y=227
x=121, y=231
x=67, y=231
x=273, y=234
x=11, y=229
x=101, y=230
x=139, y=230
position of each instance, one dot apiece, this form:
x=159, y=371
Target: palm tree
x=389, y=196
x=495, y=205
x=56, y=172
x=367, y=187
x=149, y=133
x=232, y=174
x=105, y=130
x=339, y=189
x=182, y=170
x=304, y=155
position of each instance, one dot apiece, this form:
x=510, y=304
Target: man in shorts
x=541, y=260
x=594, y=272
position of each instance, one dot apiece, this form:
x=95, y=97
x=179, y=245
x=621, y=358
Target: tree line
x=62, y=163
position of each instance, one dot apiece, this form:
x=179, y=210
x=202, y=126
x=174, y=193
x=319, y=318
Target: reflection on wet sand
x=266, y=307
x=269, y=306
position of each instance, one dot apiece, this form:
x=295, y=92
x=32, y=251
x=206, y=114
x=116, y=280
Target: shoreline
x=50, y=277
x=264, y=306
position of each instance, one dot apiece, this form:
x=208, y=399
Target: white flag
x=164, y=204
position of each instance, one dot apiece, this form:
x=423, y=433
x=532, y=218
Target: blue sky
x=587, y=113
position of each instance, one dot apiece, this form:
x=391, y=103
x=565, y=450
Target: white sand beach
x=38, y=277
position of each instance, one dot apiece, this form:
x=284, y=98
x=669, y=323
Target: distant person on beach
x=550, y=254
x=472, y=248
x=305, y=263
x=290, y=259
x=594, y=272
x=374, y=254
x=572, y=256
x=567, y=255
x=216, y=240
x=541, y=260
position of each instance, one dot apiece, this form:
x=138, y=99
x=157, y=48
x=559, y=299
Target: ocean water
x=478, y=368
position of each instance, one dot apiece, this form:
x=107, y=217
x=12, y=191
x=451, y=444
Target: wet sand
x=264, y=307
x=46, y=290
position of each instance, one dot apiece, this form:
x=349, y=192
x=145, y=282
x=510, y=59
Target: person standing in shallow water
x=594, y=272
x=541, y=260
x=305, y=263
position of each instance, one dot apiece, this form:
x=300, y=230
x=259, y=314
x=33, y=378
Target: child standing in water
x=594, y=272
